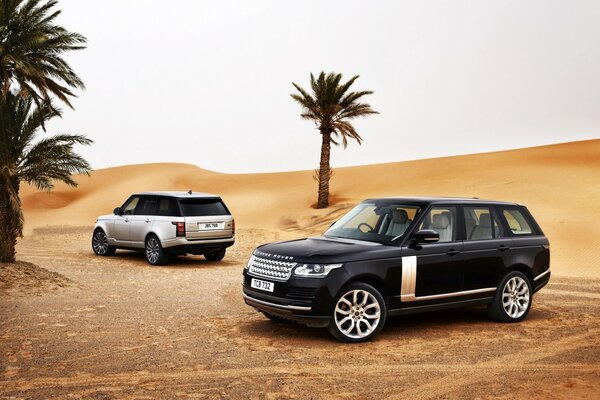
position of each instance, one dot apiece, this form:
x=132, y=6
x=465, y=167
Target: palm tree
x=31, y=46
x=25, y=159
x=331, y=108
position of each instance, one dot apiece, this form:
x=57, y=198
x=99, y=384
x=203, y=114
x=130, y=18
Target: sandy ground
x=107, y=328
x=81, y=326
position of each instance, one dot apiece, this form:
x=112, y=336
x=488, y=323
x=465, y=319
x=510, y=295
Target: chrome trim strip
x=409, y=278
x=274, y=305
x=540, y=276
x=412, y=297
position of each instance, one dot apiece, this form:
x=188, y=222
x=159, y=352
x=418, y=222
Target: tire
x=215, y=256
x=277, y=319
x=369, y=312
x=100, y=244
x=513, y=298
x=155, y=255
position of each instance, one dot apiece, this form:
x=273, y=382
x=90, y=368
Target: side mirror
x=426, y=236
x=117, y=211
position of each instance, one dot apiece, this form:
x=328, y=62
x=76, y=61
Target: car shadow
x=405, y=326
x=138, y=257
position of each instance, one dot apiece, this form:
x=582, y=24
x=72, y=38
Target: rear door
x=486, y=247
x=206, y=218
x=122, y=222
x=434, y=269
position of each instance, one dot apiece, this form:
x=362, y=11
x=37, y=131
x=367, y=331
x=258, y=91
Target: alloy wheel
x=357, y=314
x=100, y=242
x=515, y=297
x=152, y=250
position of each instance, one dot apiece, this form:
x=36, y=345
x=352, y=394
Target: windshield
x=374, y=223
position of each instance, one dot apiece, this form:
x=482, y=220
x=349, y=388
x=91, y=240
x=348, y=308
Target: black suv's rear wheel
x=359, y=313
x=100, y=244
x=215, y=256
x=512, y=300
x=155, y=255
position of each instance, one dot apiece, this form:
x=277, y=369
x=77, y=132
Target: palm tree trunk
x=324, y=170
x=11, y=218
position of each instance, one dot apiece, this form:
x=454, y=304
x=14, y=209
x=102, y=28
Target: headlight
x=250, y=261
x=315, y=270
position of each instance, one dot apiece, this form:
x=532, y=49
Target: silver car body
x=131, y=231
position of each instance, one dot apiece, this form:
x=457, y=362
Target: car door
x=122, y=222
x=485, y=248
x=434, y=269
x=141, y=221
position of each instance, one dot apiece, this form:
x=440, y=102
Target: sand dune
x=559, y=183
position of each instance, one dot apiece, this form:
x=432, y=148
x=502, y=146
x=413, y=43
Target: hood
x=105, y=217
x=327, y=250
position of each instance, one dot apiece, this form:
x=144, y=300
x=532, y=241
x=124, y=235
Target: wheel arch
x=372, y=280
x=525, y=270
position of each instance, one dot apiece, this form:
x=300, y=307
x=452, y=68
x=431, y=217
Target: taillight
x=233, y=227
x=180, y=230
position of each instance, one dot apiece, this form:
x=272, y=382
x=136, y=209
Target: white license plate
x=211, y=226
x=262, y=285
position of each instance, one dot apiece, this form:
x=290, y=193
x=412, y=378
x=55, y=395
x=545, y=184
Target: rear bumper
x=541, y=280
x=183, y=245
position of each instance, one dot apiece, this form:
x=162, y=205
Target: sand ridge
x=559, y=183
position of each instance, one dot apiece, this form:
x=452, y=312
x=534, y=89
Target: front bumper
x=304, y=300
x=182, y=245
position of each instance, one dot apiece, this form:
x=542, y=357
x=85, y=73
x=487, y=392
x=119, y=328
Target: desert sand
x=560, y=184
x=73, y=325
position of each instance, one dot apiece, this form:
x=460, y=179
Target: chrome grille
x=273, y=269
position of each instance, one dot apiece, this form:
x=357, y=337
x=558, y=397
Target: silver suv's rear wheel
x=100, y=244
x=155, y=255
x=359, y=313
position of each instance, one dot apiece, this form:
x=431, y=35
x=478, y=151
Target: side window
x=517, y=222
x=167, y=207
x=443, y=221
x=148, y=206
x=480, y=223
x=130, y=206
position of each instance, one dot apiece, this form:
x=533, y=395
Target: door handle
x=126, y=219
x=452, y=252
x=147, y=219
x=503, y=248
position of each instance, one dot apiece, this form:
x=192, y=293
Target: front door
x=122, y=222
x=433, y=270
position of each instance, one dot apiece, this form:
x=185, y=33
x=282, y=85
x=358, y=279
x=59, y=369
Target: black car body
x=407, y=255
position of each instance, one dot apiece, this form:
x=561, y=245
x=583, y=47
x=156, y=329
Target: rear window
x=517, y=222
x=201, y=207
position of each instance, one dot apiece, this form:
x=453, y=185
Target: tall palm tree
x=331, y=107
x=31, y=45
x=25, y=159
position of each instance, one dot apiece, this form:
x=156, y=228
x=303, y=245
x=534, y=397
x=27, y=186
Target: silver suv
x=167, y=223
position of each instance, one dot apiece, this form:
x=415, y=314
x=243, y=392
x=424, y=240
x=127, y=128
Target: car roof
x=179, y=194
x=435, y=200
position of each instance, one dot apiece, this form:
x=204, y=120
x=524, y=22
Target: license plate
x=211, y=226
x=262, y=285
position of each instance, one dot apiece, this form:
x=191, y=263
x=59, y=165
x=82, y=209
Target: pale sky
x=208, y=82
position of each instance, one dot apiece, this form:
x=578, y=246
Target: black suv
x=395, y=256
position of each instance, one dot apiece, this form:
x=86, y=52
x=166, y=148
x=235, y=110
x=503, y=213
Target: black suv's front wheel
x=359, y=313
